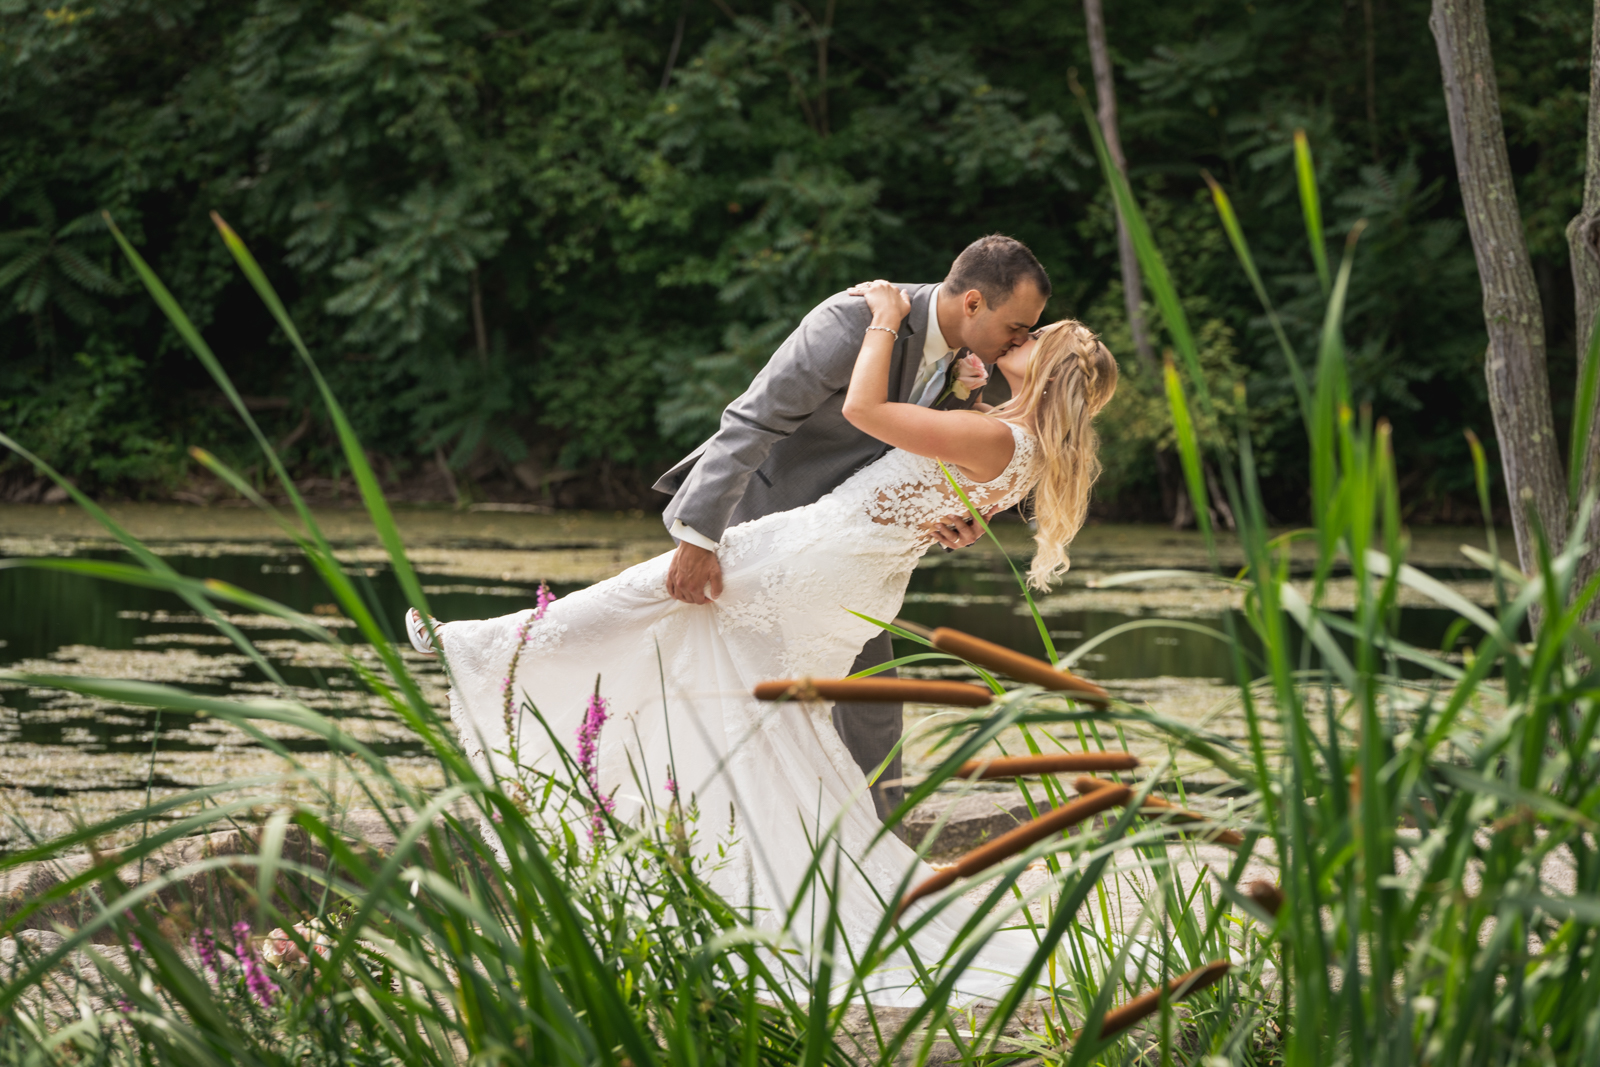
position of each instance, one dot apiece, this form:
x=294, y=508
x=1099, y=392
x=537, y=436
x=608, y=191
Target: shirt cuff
x=688, y=533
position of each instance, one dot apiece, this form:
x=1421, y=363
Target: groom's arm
x=811, y=365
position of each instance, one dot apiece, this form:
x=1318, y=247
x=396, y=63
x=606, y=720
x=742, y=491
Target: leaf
x=1474, y=782
x=1311, y=622
x=1434, y=589
x=1310, y=205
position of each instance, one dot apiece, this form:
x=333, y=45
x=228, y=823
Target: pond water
x=62, y=756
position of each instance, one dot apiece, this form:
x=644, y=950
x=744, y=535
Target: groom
x=785, y=443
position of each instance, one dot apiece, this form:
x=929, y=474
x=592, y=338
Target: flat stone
x=973, y=819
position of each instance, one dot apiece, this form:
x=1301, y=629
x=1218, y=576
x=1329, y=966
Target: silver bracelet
x=892, y=333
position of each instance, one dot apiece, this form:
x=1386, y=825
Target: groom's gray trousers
x=785, y=443
x=871, y=731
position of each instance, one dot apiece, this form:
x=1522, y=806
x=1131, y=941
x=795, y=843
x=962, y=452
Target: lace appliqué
x=923, y=496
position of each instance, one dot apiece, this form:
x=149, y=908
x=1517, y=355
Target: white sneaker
x=417, y=630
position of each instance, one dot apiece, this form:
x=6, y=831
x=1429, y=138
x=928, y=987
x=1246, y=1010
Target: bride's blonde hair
x=1070, y=377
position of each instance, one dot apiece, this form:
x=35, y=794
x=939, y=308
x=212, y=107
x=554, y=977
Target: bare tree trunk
x=1174, y=496
x=1583, y=243
x=478, y=330
x=1105, y=92
x=1519, y=385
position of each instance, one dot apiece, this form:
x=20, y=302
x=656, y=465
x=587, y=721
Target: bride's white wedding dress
x=678, y=679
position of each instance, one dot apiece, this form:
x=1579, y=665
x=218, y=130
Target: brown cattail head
x=1022, y=668
x=1145, y=1004
x=1086, y=785
x=1264, y=893
x=1054, y=763
x=875, y=690
x=1013, y=841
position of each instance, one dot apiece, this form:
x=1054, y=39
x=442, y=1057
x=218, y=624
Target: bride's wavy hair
x=1070, y=377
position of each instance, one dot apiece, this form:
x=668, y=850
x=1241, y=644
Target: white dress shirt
x=936, y=357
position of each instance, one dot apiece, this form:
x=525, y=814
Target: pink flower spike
x=133, y=938
x=255, y=979
x=541, y=601
x=205, y=947
x=589, y=757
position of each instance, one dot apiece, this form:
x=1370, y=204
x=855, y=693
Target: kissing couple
x=812, y=502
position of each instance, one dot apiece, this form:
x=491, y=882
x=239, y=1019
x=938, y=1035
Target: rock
x=973, y=819
x=38, y=942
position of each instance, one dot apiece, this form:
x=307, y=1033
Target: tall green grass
x=1435, y=838
x=1413, y=824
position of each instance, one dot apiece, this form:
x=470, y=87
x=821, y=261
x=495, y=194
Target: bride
x=676, y=678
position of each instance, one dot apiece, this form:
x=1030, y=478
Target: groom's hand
x=694, y=569
x=960, y=531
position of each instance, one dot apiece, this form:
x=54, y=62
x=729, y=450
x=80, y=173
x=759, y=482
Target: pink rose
x=971, y=375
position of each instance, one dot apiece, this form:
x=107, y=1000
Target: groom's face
x=991, y=332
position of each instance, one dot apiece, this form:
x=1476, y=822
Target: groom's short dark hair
x=995, y=265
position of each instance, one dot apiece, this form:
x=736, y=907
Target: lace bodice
x=911, y=492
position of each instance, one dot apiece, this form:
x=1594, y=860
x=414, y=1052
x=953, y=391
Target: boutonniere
x=966, y=376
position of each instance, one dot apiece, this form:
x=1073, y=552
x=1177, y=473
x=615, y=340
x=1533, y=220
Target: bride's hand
x=888, y=302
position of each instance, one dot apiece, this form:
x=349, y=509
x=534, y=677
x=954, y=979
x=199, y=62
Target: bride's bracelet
x=892, y=333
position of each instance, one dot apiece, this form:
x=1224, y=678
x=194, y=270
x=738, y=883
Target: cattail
x=1013, y=841
x=1086, y=785
x=1267, y=895
x=1145, y=1004
x=1022, y=668
x=876, y=690
x=984, y=770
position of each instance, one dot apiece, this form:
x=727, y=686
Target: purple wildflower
x=133, y=938
x=205, y=946
x=672, y=785
x=255, y=979
x=588, y=760
x=542, y=601
x=124, y=1005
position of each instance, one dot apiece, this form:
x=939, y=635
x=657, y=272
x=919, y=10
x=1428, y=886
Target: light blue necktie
x=927, y=390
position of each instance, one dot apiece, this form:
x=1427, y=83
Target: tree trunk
x=1519, y=385
x=1174, y=497
x=1105, y=92
x=1583, y=244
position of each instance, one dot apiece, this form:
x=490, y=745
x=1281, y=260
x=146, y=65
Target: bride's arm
x=979, y=445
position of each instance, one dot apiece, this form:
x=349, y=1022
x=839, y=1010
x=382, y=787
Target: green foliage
x=403, y=161
x=1140, y=420
x=93, y=417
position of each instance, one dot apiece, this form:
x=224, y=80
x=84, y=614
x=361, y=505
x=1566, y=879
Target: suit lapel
x=914, y=334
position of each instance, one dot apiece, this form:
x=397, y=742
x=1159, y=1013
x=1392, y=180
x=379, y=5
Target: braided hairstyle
x=1070, y=377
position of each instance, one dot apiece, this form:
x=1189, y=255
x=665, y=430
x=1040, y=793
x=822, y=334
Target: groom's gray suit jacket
x=785, y=442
